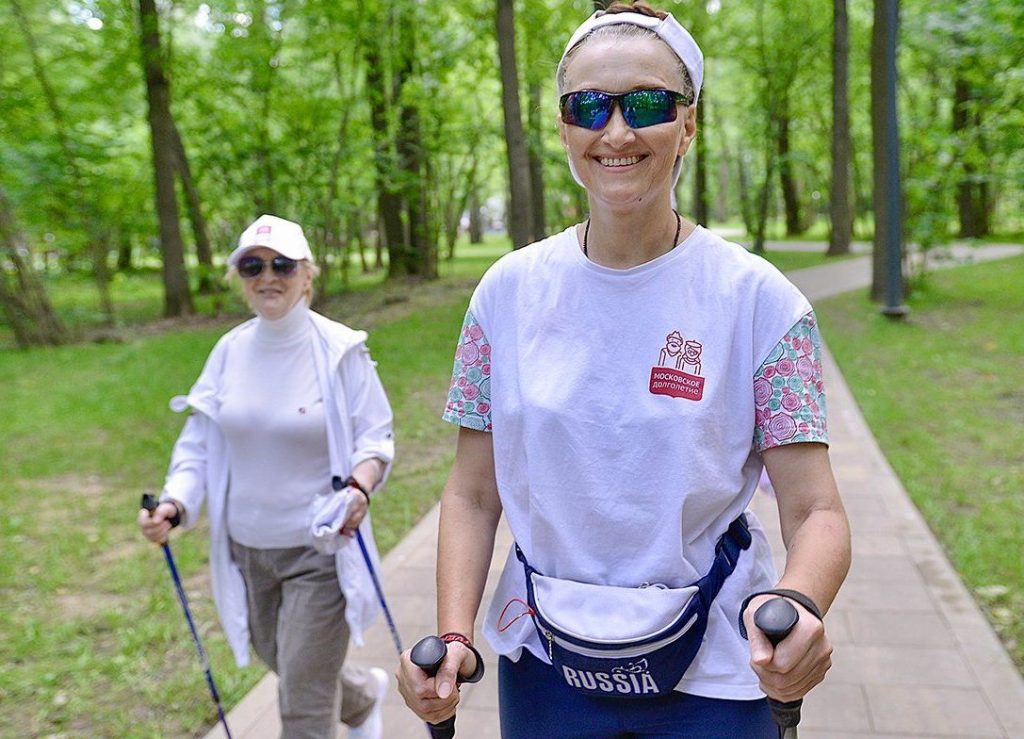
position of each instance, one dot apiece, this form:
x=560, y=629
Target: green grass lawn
x=942, y=393
x=138, y=294
x=94, y=643
x=91, y=636
x=789, y=261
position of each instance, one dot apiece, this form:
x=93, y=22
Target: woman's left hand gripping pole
x=159, y=536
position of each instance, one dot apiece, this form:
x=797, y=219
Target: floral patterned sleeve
x=789, y=397
x=469, y=396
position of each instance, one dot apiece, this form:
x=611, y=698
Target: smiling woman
x=273, y=283
x=289, y=429
x=619, y=388
x=624, y=137
x=275, y=272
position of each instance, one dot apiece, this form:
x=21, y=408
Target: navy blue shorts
x=534, y=702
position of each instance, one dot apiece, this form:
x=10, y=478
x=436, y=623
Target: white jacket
x=358, y=419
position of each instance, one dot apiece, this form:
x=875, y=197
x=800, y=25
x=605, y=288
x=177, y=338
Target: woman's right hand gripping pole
x=435, y=697
x=470, y=509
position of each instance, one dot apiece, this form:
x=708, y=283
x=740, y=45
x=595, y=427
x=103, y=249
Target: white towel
x=330, y=514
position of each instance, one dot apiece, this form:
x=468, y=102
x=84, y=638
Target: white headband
x=667, y=29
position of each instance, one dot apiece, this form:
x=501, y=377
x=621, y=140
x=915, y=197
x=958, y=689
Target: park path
x=914, y=655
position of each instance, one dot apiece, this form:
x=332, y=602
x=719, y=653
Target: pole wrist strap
x=795, y=595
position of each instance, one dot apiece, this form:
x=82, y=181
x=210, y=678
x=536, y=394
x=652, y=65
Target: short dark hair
x=639, y=6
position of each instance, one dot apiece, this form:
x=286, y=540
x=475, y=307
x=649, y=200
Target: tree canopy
x=382, y=125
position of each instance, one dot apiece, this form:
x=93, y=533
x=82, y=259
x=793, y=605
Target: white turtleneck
x=273, y=419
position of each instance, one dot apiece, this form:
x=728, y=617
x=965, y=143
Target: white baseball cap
x=284, y=237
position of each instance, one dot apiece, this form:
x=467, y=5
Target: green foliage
x=941, y=393
x=272, y=99
x=91, y=633
x=74, y=157
x=976, y=43
x=94, y=641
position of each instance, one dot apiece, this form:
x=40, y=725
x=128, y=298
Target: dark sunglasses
x=641, y=108
x=249, y=267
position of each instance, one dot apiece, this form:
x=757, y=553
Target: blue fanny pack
x=627, y=642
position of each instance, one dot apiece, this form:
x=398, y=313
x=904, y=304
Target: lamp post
x=892, y=223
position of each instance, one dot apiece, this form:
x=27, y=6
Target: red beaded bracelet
x=478, y=673
x=456, y=636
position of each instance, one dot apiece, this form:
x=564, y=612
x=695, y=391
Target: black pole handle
x=149, y=502
x=428, y=654
x=776, y=618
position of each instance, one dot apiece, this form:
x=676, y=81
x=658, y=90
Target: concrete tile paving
x=914, y=655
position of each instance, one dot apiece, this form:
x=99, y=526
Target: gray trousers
x=297, y=627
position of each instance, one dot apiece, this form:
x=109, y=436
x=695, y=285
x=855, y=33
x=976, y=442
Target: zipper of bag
x=620, y=652
x=546, y=619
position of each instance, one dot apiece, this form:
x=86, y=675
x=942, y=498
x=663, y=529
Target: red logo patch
x=678, y=371
x=668, y=381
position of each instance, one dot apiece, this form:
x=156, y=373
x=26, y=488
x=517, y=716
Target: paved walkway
x=914, y=655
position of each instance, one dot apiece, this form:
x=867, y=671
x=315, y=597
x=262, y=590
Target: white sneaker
x=373, y=726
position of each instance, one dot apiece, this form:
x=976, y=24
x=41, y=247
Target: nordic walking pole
x=776, y=618
x=380, y=592
x=338, y=485
x=150, y=504
x=428, y=654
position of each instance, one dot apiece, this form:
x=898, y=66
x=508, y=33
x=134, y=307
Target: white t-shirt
x=273, y=419
x=622, y=408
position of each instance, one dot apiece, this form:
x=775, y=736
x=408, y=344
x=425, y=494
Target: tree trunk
x=743, y=185
x=262, y=82
x=420, y=259
x=764, y=201
x=986, y=203
x=463, y=186
x=966, y=188
x=177, y=298
x=861, y=200
x=476, y=217
x=700, y=174
x=787, y=180
x=102, y=277
x=332, y=201
x=84, y=212
x=23, y=298
x=841, y=214
x=200, y=233
x=519, y=218
x=389, y=201
x=124, y=255
x=537, y=130
x=986, y=200
x=378, y=257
